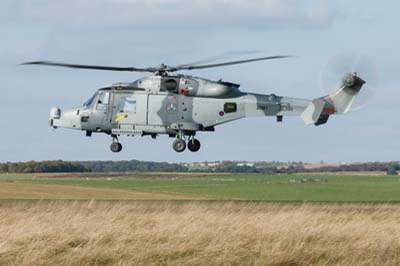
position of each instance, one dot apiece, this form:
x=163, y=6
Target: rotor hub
x=349, y=79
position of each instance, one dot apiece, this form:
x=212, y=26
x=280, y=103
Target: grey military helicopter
x=181, y=105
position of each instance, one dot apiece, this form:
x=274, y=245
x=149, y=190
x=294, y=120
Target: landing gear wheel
x=116, y=147
x=179, y=145
x=193, y=145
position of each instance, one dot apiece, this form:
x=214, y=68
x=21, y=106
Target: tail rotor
x=345, y=68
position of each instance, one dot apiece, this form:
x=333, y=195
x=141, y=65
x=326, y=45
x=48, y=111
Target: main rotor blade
x=220, y=57
x=191, y=67
x=94, y=67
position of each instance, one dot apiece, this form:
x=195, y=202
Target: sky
x=146, y=33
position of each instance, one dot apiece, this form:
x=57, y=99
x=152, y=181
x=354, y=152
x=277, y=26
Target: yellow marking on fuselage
x=119, y=118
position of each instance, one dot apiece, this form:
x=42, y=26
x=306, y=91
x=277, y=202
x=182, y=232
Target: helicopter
x=181, y=105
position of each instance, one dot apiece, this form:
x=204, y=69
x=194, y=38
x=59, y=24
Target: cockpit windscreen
x=90, y=103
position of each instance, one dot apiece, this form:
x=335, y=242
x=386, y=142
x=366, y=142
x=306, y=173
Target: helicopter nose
x=55, y=114
x=66, y=119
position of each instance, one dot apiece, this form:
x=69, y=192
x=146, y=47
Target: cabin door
x=129, y=110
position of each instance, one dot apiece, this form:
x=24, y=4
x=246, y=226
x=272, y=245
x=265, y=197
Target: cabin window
x=230, y=108
x=102, y=102
x=127, y=104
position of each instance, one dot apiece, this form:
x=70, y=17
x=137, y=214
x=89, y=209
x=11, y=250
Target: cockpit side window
x=103, y=100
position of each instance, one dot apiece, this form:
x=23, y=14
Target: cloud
x=183, y=13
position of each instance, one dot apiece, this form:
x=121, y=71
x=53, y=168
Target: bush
x=391, y=171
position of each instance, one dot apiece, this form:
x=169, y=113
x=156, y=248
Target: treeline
x=295, y=167
x=133, y=166
x=89, y=166
x=222, y=167
x=360, y=167
x=43, y=167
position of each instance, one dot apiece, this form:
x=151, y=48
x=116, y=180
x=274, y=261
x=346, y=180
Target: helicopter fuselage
x=166, y=105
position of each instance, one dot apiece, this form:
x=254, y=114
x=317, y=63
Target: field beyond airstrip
x=199, y=219
x=187, y=186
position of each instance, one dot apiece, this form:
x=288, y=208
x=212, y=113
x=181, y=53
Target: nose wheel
x=116, y=146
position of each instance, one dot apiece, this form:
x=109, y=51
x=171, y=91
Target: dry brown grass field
x=198, y=233
x=18, y=191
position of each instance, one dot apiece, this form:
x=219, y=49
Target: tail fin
x=344, y=97
x=337, y=103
